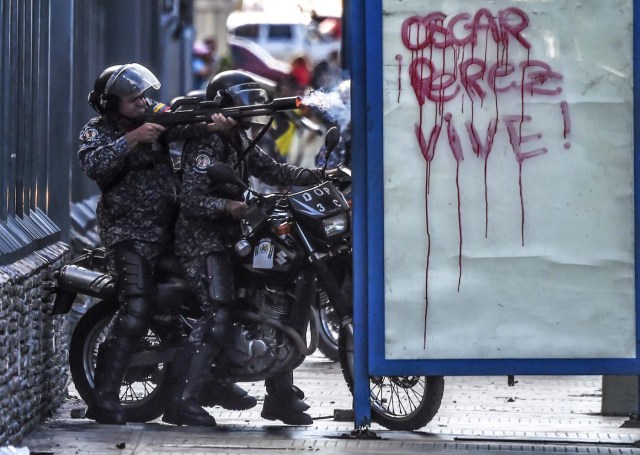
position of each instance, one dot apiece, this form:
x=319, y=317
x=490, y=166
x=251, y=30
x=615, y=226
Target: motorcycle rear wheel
x=143, y=389
x=402, y=403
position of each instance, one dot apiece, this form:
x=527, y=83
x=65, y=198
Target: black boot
x=190, y=368
x=284, y=401
x=113, y=359
x=227, y=395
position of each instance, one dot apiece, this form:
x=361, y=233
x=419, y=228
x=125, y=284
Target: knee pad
x=215, y=328
x=134, y=318
x=220, y=273
x=134, y=272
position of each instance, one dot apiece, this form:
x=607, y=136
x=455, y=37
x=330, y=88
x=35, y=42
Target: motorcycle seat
x=169, y=266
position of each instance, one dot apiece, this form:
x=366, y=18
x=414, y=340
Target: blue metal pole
x=356, y=32
x=636, y=170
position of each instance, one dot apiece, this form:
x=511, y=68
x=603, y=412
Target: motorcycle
x=293, y=244
x=325, y=314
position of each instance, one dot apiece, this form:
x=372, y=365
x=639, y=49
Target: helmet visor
x=249, y=94
x=132, y=79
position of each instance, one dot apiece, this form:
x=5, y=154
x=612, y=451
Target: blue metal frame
x=366, y=37
x=356, y=36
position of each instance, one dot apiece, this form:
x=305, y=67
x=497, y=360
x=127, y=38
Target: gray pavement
x=558, y=414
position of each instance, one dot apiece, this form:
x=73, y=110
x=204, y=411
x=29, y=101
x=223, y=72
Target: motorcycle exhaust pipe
x=73, y=278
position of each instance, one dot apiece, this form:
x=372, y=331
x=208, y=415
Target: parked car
x=248, y=56
x=283, y=36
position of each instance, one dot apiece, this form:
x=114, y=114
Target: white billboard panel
x=508, y=179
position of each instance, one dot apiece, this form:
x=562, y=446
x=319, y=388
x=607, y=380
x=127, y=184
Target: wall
x=51, y=51
x=33, y=345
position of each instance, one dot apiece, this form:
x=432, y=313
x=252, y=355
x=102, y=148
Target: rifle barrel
x=203, y=111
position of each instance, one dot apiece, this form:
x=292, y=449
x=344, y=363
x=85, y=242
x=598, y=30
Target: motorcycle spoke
x=148, y=388
x=126, y=396
x=376, y=396
x=408, y=395
x=423, y=387
x=405, y=403
x=398, y=397
x=401, y=402
x=132, y=395
x=397, y=404
x=382, y=397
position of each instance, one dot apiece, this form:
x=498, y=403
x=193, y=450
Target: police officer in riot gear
x=128, y=158
x=207, y=221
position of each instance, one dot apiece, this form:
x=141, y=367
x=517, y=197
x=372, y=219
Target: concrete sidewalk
x=478, y=414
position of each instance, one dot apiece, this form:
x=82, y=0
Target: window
x=281, y=32
x=249, y=31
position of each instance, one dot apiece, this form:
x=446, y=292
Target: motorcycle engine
x=273, y=303
x=259, y=346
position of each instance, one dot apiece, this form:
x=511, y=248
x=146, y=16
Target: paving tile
x=540, y=414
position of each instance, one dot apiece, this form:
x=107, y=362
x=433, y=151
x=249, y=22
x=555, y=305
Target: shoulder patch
x=89, y=134
x=202, y=162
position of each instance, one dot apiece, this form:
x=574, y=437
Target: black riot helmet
x=237, y=88
x=120, y=81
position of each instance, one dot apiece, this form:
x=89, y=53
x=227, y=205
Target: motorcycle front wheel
x=402, y=403
x=329, y=327
x=143, y=389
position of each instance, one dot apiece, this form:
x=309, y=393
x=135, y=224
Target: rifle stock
x=193, y=110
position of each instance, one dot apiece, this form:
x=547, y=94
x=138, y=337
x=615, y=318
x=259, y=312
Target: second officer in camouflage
x=207, y=223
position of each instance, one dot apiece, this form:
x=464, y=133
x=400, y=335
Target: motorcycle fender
x=64, y=301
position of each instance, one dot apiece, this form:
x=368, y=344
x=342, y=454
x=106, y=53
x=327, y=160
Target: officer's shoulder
x=94, y=122
x=92, y=129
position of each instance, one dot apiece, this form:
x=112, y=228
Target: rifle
x=192, y=109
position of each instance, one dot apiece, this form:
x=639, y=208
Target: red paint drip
x=486, y=200
x=399, y=60
x=483, y=150
x=454, y=139
x=426, y=287
x=524, y=70
x=493, y=82
x=456, y=149
x=459, y=225
x=516, y=142
x=521, y=201
x=566, y=119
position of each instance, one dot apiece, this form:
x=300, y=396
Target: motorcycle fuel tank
x=271, y=255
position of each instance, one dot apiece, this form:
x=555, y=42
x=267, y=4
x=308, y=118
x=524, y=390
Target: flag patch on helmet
x=202, y=162
x=160, y=107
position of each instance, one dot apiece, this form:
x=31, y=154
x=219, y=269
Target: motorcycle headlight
x=336, y=225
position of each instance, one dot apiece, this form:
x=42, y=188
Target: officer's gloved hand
x=236, y=209
x=147, y=133
x=221, y=124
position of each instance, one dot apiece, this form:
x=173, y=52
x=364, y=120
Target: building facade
x=52, y=51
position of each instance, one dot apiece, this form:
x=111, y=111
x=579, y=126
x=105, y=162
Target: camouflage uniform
x=139, y=187
x=203, y=226
x=204, y=233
